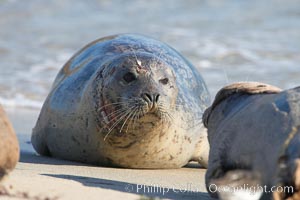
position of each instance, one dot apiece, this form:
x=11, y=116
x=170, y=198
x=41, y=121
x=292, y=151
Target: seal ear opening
x=250, y=88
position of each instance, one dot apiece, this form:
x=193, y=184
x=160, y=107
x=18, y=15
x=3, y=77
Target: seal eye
x=129, y=77
x=164, y=81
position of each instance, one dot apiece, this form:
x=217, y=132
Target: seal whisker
x=131, y=112
x=163, y=117
x=139, y=113
x=132, y=118
x=117, y=122
x=167, y=120
x=116, y=112
x=165, y=112
x=136, y=117
x=156, y=59
x=136, y=58
x=120, y=113
x=163, y=107
x=169, y=116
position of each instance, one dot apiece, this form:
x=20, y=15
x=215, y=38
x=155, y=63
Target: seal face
x=9, y=146
x=253, y=132
x=127, y=101
x=138, y=88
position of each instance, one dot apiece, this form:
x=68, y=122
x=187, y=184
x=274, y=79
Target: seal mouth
x=128, y=115
x=153, y=107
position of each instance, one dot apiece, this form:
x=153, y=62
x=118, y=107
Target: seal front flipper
x=38, y=141
x=202, y=150
x=39, y=144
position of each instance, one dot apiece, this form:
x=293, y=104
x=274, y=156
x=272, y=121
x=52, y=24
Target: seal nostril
x=150, y=98
x=156, y=97
x=147, y=97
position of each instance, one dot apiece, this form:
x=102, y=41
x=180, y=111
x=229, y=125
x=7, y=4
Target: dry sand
x=37, y=177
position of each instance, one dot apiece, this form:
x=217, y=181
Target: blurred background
x=227, y=40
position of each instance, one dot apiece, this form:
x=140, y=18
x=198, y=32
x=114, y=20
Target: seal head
x=135, y=85
x=250, y=88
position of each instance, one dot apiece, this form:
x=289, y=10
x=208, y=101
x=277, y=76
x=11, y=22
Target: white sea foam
x=205, y=63
x=20, y=101
x=29, y=88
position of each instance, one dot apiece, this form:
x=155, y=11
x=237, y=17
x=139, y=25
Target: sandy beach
x=37, y=177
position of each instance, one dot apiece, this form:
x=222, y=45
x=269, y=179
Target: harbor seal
x=254, y=136
x=9, y=146
x=125, y=101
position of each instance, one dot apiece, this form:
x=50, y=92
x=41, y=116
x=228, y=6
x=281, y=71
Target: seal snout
x=151, y=99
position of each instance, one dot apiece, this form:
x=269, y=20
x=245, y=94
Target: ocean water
x=227, y=40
